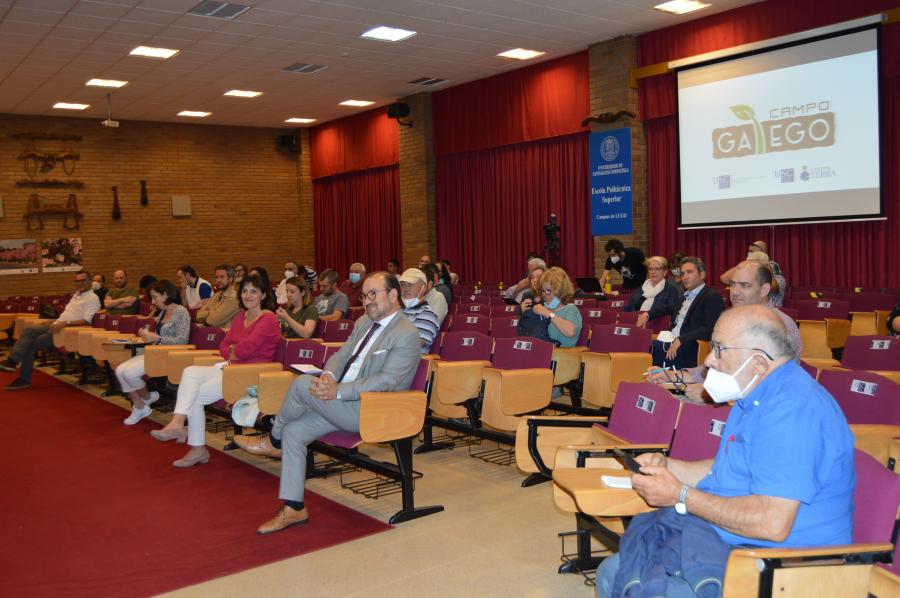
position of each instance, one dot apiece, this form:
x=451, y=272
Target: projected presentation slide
x=786, y=135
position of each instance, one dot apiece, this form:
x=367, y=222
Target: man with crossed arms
x=382, y=354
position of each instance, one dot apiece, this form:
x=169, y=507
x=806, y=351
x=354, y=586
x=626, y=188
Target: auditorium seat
x=875, y=353
x=334, y=331
x=470, y=321
x=824, y=325
x=505, y=327
x=616, y=354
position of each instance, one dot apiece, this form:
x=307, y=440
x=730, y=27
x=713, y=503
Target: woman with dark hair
x=298, y=316
x=263, y=274
x=173, y=327
x=253, y=338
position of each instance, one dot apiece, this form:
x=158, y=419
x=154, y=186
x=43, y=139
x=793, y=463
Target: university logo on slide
x=788, y=128
x=609, y=148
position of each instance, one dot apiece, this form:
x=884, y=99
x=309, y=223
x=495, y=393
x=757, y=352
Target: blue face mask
x=355, y=277
x=553, y=304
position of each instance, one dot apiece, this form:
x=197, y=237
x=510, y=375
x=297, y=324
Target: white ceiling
x=50, y=48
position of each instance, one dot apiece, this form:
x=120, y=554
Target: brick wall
x=610, y=65
x=250, y=202
x=417, y=208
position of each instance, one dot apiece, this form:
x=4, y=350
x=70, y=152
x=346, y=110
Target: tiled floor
x=494, y=538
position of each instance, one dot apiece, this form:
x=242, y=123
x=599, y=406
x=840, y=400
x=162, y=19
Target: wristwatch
x=681, y=505
x=552, y=315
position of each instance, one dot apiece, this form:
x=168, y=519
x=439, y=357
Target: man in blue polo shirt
x=783, y=474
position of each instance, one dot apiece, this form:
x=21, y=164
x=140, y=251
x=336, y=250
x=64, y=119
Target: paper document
x=620, y=482
x=305, y=368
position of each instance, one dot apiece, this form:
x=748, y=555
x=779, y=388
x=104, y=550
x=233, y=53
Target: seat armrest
x=388, y=416
x=272, y=389
x=237, y=377
x=156, y=358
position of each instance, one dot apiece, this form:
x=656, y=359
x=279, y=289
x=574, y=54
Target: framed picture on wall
x=61, y=255
x=18, y=256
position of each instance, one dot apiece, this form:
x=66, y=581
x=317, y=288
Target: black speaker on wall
x=398, y=110
x=288, y=143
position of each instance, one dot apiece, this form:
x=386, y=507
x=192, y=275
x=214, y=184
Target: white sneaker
x=137, y=415
x=154, y=396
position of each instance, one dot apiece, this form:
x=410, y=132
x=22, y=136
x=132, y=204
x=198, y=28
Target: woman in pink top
x=253, y=338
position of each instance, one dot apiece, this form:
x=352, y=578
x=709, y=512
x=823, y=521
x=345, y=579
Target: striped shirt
x=425, y=321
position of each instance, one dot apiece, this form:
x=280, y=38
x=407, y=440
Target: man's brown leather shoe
x=258, y=445
x=286, y=517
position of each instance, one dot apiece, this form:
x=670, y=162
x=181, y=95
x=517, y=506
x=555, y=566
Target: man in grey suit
x=382, y=354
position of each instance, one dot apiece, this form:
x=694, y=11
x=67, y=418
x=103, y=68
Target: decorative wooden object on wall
x=117, y=211
x=35, y=161
x=607, y=117
x=144, y=199
x=38, y=207
x=51, y=184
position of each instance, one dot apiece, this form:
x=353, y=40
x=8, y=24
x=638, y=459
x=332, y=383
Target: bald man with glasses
x=382, y=354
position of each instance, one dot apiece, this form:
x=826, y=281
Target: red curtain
x=366, y=140
x=844, y=254
x=537, y=102
x=357, y=219
x=492, y=206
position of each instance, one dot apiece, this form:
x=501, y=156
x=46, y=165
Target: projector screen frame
x=775, y=47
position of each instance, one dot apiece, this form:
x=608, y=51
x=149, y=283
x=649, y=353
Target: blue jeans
x=606, y=577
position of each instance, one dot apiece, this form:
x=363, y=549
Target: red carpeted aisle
x=90, y=507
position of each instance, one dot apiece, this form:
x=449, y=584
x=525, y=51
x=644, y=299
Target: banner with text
x=611, y=208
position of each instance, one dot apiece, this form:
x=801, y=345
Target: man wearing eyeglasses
x=79, y=311
x=382, y=354
x=783, y=474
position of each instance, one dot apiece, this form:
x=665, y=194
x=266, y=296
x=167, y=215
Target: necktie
x=359, y=349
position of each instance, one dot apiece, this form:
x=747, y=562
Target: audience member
x=413, y=285
x=783, y=475
x=695, y=317
x=779, y=286
x=298, y=316
x=627, y=261
x=436, y=300
x=382, y=354
x=433, y=274
x=240, y=271
x=194, y=290
x=264, y=277
x=444, y=283
x=253, y=337
x=752, y=284
x=98, y=285
x=893, y=323
x=658, y=296
x=424, y=261
x=454, y=277
x=675, y=269
x=223, y=306
x=292, y=269
x=173, y=327
x=516, y=291
x=145, y=283
x=393, y=267
x=331, y=304
x=79, y=311
x=533, y=292
x=122, y=299
x=555, y=319
x=352, y=287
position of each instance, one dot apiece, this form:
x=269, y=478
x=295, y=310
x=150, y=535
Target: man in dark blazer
x=382, y=354
x=695, y=317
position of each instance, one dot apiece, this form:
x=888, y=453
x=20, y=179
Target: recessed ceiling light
x=149, y=52
x=521, y=54
x=240, y=93
x=194, y=113
x=69, y=106
x=680, y=7
x=356, y=103
x=388, y=34
x=302, y=121
x=106, y=83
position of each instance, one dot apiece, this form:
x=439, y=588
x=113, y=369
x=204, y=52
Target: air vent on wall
x=306, y=69
x=219, y=10
x=427, y=81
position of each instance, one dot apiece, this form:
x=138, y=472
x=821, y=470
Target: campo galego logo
x=789, y=128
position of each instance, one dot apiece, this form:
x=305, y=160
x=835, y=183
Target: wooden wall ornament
x=51, y=184
x=38, y=207
x=35, y=161
x=117, y=210
x=144, y=198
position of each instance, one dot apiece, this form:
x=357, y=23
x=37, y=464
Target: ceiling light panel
x=106, y=83
x=680, y=7
x=304, y=68
x=302, y=121
x=427, y=81
x=521, y=54
x=388, y=34
x=240, y=93
x=219, y=10
x=194, y=113
x=148, y=52
x=356, y=103
x=70, y=106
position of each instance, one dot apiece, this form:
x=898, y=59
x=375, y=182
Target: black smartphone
x=629, y=462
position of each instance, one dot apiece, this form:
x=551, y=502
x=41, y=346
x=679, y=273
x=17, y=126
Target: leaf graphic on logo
x=743, y=112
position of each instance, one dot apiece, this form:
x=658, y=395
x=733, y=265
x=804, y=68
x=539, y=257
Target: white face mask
x=95, y=285
x=723, y=387
x=411, y=302
x=289, y=274
x=615, y=259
